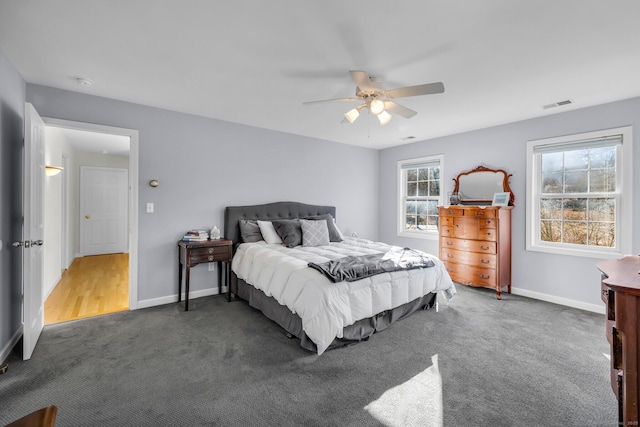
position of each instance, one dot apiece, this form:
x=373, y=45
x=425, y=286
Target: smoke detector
x=84, y=82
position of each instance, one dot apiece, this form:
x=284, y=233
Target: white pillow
x=269, y=232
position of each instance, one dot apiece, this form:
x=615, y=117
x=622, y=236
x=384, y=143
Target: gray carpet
x=515, y=362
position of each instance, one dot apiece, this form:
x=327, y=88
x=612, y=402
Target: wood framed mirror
x=477, y=186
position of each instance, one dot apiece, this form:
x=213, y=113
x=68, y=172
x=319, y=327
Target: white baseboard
x=596, y=308
x=174, y=298
x=6, y=350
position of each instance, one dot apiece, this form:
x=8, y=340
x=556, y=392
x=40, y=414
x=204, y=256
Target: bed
x=304, y=301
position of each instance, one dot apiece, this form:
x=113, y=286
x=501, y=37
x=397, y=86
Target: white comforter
x=326, y=307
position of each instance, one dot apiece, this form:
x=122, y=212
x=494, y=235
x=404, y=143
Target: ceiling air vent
x=407, y=138
x=557, y=104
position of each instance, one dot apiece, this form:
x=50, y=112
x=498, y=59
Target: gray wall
x=534, y=274
x=12, y=96
x=204, y=165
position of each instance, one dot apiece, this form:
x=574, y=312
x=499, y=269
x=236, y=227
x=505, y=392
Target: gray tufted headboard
x=269, y=211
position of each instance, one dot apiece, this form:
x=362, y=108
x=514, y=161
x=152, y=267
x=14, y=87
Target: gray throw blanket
x=353, y=268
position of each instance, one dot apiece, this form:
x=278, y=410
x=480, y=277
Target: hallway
x=92, y=286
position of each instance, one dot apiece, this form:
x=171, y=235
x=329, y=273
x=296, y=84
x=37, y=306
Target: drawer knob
x=483, y=276
x=210, y=250
x=449, y=256
x=484, y=248
x=484, y=261
x=210, y=258
x=449, y=243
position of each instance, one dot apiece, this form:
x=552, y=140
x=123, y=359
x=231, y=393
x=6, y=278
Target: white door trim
x=133, y=192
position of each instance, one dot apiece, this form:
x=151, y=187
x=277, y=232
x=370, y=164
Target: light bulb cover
x=384, y=118
x=376, y=107
x=52, y=170
x=352, y=115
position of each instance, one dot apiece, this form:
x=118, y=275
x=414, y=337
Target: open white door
x=33, y=230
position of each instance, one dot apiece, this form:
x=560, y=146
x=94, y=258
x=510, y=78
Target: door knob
x=87, y=216
x=28, y=243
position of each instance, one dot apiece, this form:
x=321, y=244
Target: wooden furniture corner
x=620, y=286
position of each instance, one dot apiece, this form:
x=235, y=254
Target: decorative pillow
x=314, y=233
x=340, y=235
x=334, y=233
x=289, y=231
x=250, y=231
x=268, y=232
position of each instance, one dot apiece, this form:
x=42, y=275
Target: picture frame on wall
x=501, y=199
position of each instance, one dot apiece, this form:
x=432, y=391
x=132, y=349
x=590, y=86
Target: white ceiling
x=97, y=142
x=255, y=62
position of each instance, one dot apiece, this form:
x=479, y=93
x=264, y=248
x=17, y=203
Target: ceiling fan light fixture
x=384, y=118
x=376, y=107
x=352, y=115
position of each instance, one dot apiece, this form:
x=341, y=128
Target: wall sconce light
x=52, y=170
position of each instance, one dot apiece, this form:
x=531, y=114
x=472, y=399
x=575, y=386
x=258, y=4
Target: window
x=579, y=192
x=420, y=194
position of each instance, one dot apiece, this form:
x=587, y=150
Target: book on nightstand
x=195, y=236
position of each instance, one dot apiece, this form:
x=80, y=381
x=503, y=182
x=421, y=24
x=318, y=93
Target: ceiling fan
x=378, y=100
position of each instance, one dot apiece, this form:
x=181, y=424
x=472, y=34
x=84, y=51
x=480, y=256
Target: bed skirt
x=292, y=324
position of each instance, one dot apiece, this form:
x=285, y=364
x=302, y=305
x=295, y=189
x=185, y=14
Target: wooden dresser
x=475, y=245
x=621, y=295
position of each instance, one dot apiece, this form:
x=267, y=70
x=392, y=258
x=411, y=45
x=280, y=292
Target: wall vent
x=407, y=138
x=557, y=104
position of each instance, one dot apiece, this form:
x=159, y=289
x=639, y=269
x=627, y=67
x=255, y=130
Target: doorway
x=80, y=293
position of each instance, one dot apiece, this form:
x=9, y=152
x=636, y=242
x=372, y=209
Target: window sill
x=604, y=254
x=428, y=235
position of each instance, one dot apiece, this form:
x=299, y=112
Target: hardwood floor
x=92, y=286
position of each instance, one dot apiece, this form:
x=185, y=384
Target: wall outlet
x=212, y=266
x=149, y=207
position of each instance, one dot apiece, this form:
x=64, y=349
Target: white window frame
x=624, y=196
x=421, y=234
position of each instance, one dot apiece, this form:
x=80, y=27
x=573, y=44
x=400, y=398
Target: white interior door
x=33, y=231
x=103, y=210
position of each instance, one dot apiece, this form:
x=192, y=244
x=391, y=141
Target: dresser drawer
x=450, y=211
x=480, y=213
x=446, y=231
x=468, y=245
x=468, y=275
x=489, y=234
x=487, y=223
x=465, y=228
x=469, y=258
x=446, y=221
x=215, y=253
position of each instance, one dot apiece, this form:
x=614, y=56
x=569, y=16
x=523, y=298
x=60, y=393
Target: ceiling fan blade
x=426, y=89
x=362, y=80
x=400, y=110
x=331, y=100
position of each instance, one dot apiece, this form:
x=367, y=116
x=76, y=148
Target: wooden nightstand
x=193, y=253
